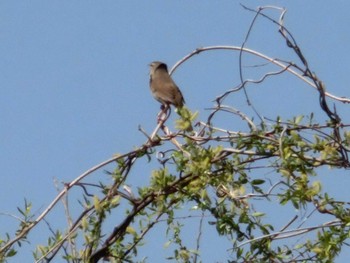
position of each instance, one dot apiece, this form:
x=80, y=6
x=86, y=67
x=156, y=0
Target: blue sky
x=74, y=78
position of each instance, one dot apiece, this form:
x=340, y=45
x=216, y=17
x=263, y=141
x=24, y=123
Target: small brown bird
x=163, y=87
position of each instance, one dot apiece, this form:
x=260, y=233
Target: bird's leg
x=164, y=114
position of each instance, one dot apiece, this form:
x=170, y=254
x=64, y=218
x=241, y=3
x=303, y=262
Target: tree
x=224, y=178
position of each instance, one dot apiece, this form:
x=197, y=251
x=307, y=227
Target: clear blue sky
x=74, y=78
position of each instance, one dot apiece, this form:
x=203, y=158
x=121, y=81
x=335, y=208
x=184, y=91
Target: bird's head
x=157, y=65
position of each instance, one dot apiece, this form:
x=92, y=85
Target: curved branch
x=286, y=67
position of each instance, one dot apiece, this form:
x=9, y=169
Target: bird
x=163, y=87
x=165, y=90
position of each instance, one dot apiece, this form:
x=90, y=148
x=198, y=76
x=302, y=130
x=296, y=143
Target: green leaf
x=298, y=119
x=258, y=214
x=257, y=181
